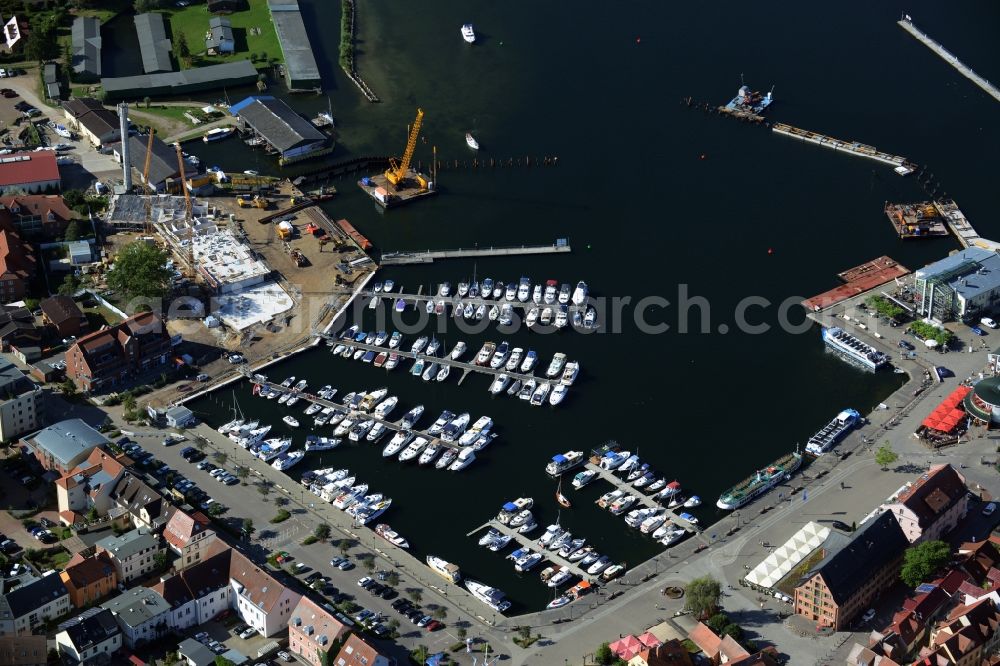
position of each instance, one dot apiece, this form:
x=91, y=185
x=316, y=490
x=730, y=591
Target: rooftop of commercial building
x=300, y=62
x=153, y=43
x=970, y=272
x=67, y=439
x=277, y=122
x=226, y=258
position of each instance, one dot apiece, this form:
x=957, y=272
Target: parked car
x=989, y=509
x=869, y=615
x=346, y=565
x=433, y=625
x=364, y=581
x=903, y=344
x=987, y=322
x=248, y=633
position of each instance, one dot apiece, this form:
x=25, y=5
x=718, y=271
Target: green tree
x=70, y=285
x=92, y=514
x=415, y=595
x=717, y=622
x=701, y=596
x=242, y=472
x=220, y=457
x=345, y=547
x=181, y=49
x=440, y=613
x=922, y=560
x=200, y=443
x=161, y=561
x=253, y=56
x=369, y=565
x=219, y=660
x=734, y=630
x=524, y=632
x=140, y=271
x=72, y=231
x=603, y=654
x=128, y=407
x=421, y=653
x=264, y=488
x=68, y=388
x=392, y=578
x=248, y=528
x=461, y=633
x=885, y=456
x=322, y=531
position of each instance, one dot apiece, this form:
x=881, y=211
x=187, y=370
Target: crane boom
x=187, y=207
x=397, y=171
x=147, y=191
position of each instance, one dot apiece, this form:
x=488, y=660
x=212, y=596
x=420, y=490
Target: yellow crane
x=396, y=172
x=187, y=206
x=148, y=191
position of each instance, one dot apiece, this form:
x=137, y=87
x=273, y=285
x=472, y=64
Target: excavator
x=396, y=173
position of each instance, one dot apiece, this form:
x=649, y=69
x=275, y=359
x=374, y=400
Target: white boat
x=391, y=535
x=376, y=432
x=411, y=417
x=564, y=294
x=392, y=362
x=635, y=517
x=590, y=320
x=373, y=511
x=253, y=437
x=540, y=394
x=599, y=565
x=446, y=459
x=528, y=526
x=465, y=458
x=469, y=35
x=563, y=462
x=443, y=373
x=446, y=570
x=232, y=425
x=515, y=359
x=440, y=423
x=287, y=460
x=692, y=502
x=470, y=140
x=524, y=290
x=380, y=338
x=344, y=426
x=500, y=356
x=528, y=562
x=313, y=408
x=368, y=401
x=360, y=430
x=556, y=365
x=494, y=313
x=613, y=459
x=350, y=497
x=399, y=440
x=455, y=428
x=429, y=453
x=622, y=504
x=458, y=350
x=291, y=421
x=528, y=364
x=419, y=344
x=511, y=293
x=218, y=134
x=433, y=346
x=395, y=339
x=385, y=407
x=550, y=292
x=562, y=317
x=485, y=353
x=413, y=449
x=324, y=416
x=499, y=543
x=463, y=289
x=273, y=448
x=521, y=518
x=652, y=523
x=498, y=290
x=317, y=443
x=527, y=389
x=571, y=547
x=483, y=424
x=673, y=536
x=558, y=394
x=490, y=596
x=570, y=372
x=583, y=478
x=499, y=384
x=536, y=294
x=444, y=289
x=580, y=293
x=551, y=532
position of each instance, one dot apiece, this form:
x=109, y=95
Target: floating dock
x=429, y=256
x=859, y=279
x=961, y=227
x=387, y=196
x=532, y=544
x=907, y=24
x=420, y=300
x=902, y=165
x=918, y=220
x=643, y=499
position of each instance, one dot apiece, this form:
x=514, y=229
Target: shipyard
x=371, y=386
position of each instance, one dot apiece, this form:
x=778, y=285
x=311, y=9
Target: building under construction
x=918, y=220
x=127, y=212
x=401, y=184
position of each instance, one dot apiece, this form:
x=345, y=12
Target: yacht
x=360, y=430
x=532, y=317
x=563, y=462
x=613, y=459
x=501, y=355
x=498, y=290
x=431, y=371
x=418, y=367
x=429, y=453
x=511, y=293
x=583, y=478
x=433, y=346
x=253, y=436
x=395, y=339
x=376, y=433
x=673, y=536
x=419, y=344
x=369, y=400
x=444, y=289
x=560, y=541
x=457, y=351
x=490, y=596
x=652, y=523
x=287, y=460
x=550, y=292
x=440, y=423
x=483, y=357
x=499, y=543
x=546, y=317
x=514, y=388
x=540, y=394
x=529, y=362
x=551, y=532
x=273, y=448
x=556, y=365
x=527, y=389
x=491, y=535
x=528, y=526
x=494, y=313
x=570, y=372
x=447, y=570
x=515, y=359
x=463, y=289
x=344, y=426
x=523, y=289
x=499, y=384
x=645, y=479
x=589, y=559
x=391, y=535
x=446, y=459
x=413, y=449
x=635, y=517
x=398, y=441
x=455, y=428
x=350, y=497
x=528, y=561
x=590, y=320
x=605, y=500
x=562, y=317
x=482, y=425
x=317, y=443
x=372, y=511
x=580, y=293
x=470, y=140
x=324, y=417
x=521, y=518
x=571, y=547
x=536, y=294
x=564, y=294
x=688, y=517
x=411, y=417
x=465, y=458
x=602, y=563
x=392, y=362
x=291, y=421
x=558, y=394
x=443, y=373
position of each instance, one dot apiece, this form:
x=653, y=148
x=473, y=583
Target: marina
x=642, y=499
x=902, y=166
x=527, y=542
x=906, y=23
x=561, y=246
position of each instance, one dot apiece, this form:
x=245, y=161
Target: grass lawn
x=788, y=584
x=108, y=9
x=192, y=21
x=100, y=316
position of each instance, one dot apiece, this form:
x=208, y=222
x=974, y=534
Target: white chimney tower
x=126, y=158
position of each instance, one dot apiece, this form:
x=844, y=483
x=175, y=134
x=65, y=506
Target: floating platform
x=916, y=220
x=387, y=196
x=902, y=165
x=858, y=280
x=391, y=258
x=643, y=499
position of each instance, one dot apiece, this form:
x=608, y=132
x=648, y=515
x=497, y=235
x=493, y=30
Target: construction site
x=402, y=184
x=916, y=220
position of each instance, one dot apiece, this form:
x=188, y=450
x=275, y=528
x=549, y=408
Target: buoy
x=638, y=40
x=588, y=246
x=703, y=156
x=770, y=250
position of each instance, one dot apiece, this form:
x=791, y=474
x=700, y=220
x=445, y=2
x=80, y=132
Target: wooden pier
x=907, y=24
x=395, y=258
x=420, y=300
x=527, y=542
x=902, y=165
x=643, y=499
x=960, y=225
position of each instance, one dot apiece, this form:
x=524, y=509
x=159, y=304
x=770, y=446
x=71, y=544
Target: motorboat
x=521, y=517
x=399, y=305
x=438, y=425
x=440, y=307
x=633, y=468
x=338, y=349
x=499, y=543
x=635, y=517
x=349, y=333
x=318, y=443
x=498, y=290
x=429, y=306
x=350, y=497
x=376, y=433
x=563, y=462
x=559, y=578
x=444, y=289
x=430, y=372
x=545, y=319
x=446, y=459
x=465, y=458
x=443, y=373
x=491, y=535
x=540, y=394
x=673, y=488
x=380, y=338
x=622, y=504
x=360, y=430
x=369, y=400
x=532, y=317
x=482, y=425
x=528, y=562
x=583, y=478
x=527, y=389
x=463, y=289
x=515, y=359
x=560, y=541
x=511, y=292
x=558, y=394
x=392, y=362
x=217, y=134
x=499, y=384
x=692, y=502
x=474, y=289
x=381, y=359
x=455, y=428
x=551, y=532
x=580, y=553
x=494, y=313
x=359, y=354
x=288, y=460
x=490, y=596
x=656, y=485
x=418, y=367
x=652, y=523
x=500, y=357
x=564, y=294
x=580, y=293
x=590, y=319
x=419, y=344
x=480, y=312
x=391, y=535
x=570, y=372
x=528, y=526
x=589, y=559
x=370, y=337
x=577, y=319
x=361, y=336
x=536, y=294
x=556, y=365
x=514, y=388
x=433, y=346
x=613, y=459
x=673, y=536
x=484, y=355
x=430, y=453
x=411, y=417
x=688, y=517
x=413, y=449
x=368, y=357
x=562, y=317
x=395, y=339
x=273, y=448
x=387, y=287
x=458, y=350
x=470, y=140
x=530, y=359
x=290, y=421
x=599, y=565
x=344, y=426
x=549, y=295
x=395, y=445
x=524, y=289
x=568, y=549
x=644, y=480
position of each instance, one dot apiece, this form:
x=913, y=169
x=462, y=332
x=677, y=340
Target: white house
x=142, y=614
x=133, y=553
x=32, y=603
x=91, y=637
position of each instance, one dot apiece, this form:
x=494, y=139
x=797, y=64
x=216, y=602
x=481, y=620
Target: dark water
x=645, y=214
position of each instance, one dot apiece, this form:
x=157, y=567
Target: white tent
x=777, y=565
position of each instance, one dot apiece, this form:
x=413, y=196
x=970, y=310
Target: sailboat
x=562, y=499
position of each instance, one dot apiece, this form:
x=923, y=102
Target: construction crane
x=396, y=172
x=187, y=207
x=148, y=191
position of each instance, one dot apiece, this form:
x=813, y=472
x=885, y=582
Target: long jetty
x=529, y=543
x=903, y=165
x=395, y=258
x=907, y=24
x=416, y=300
x=645, y=500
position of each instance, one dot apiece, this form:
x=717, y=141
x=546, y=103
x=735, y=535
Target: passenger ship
x=853, y=349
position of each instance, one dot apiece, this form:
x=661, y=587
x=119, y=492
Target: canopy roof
x=777, y=565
